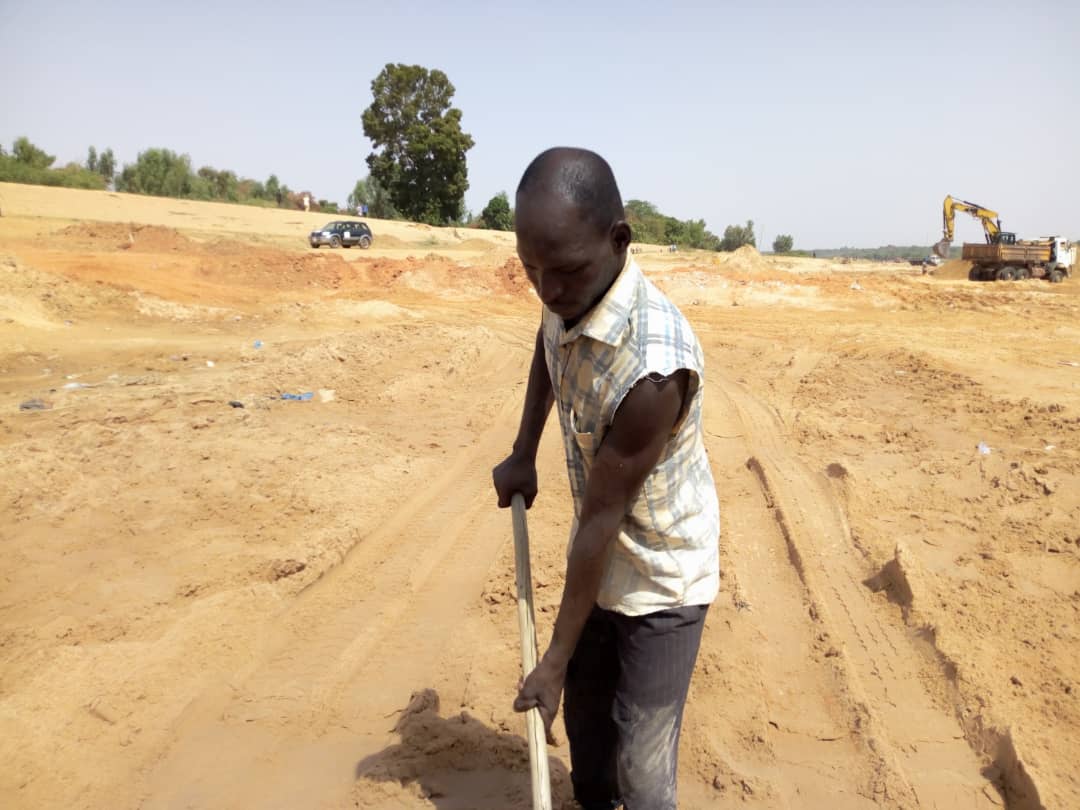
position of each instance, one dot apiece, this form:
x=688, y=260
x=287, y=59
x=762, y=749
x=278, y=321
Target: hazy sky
x=843, y=124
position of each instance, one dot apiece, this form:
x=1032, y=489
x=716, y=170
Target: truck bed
x=1022, y=253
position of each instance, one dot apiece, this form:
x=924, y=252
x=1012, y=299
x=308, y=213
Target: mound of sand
x=511, y=276
x=388, y=241
x=954, y=270
x=745, y=259
x=476, y=244
x=373, y=309
x=120, y=236
x=445, y=756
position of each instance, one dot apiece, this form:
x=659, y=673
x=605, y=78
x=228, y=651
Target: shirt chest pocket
x=588, y=441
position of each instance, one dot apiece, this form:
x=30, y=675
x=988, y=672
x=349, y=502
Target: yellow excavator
x=990, y=221
x=1003, y=258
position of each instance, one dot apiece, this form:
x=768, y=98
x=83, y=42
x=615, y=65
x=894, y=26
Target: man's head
x=571, y=234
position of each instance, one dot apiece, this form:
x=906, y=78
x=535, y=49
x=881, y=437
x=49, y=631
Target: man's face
x=568, y=259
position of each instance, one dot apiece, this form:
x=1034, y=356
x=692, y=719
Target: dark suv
x=342, y=233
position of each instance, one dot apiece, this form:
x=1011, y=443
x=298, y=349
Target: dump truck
x=1004, y=257
x=1051, y=258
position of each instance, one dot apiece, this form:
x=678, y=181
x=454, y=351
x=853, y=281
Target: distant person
x=363, y=210
x=307, y=202
x=625, y=373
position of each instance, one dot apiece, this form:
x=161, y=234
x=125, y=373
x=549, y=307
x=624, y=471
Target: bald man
x=625, y=373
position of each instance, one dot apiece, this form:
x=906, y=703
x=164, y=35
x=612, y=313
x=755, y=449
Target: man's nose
x=549, y=288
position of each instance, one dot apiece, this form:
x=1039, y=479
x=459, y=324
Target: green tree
x=674, y=232
x=783, y=243
x=646, y=221
x=652, y=227
x=91, y=159
x=696, y=235
x=106, y=165
x=735, y=236
x=26, y=152
x=158, y=171
x=420, y=147
x=370, y=192
x=222, y=185
x=497, y=214
x=73, y=175
x=252, y=189
x=273, y=189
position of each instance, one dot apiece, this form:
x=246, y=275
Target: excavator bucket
x=942, y=248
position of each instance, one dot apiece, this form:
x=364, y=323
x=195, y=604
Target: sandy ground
x=310, y=603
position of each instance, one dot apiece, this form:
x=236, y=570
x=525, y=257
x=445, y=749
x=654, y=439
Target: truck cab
x=1062, y=254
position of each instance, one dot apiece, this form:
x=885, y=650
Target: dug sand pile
x=122, y=236
x=746, y=259
x=953, y=270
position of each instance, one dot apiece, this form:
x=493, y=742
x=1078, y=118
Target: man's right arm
x=517, y=473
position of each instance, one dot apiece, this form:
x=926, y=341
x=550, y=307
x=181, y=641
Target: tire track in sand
x=781, y=737
x=923, y=758
x=349, y=652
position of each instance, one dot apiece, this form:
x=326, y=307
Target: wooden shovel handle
x=534, y=723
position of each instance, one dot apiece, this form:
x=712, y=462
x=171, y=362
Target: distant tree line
x=650, y=226
x=157, y=172
x=27, y=163
x=164, y=173
x=884, y=253
x=417, y=172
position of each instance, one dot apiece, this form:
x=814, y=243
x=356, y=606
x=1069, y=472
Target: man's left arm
x=629, y=452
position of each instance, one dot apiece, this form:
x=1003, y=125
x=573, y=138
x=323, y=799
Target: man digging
x=625, y=372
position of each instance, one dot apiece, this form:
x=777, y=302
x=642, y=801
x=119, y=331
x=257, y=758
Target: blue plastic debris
x=304, y=397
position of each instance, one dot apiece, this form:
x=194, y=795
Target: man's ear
x=621, y=235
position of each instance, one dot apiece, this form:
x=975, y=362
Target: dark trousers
x=626, y=686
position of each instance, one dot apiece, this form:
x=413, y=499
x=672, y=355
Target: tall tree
x=735, y=236
x=370, y=192
x=420, y=148
x=221, y=185
x=783, y=243
x=497, y=214
x=91, y=159
x=26, y=152
x=161, y=172
x=106, y=165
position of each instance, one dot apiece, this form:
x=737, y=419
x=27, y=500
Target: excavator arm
x=989, y=219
